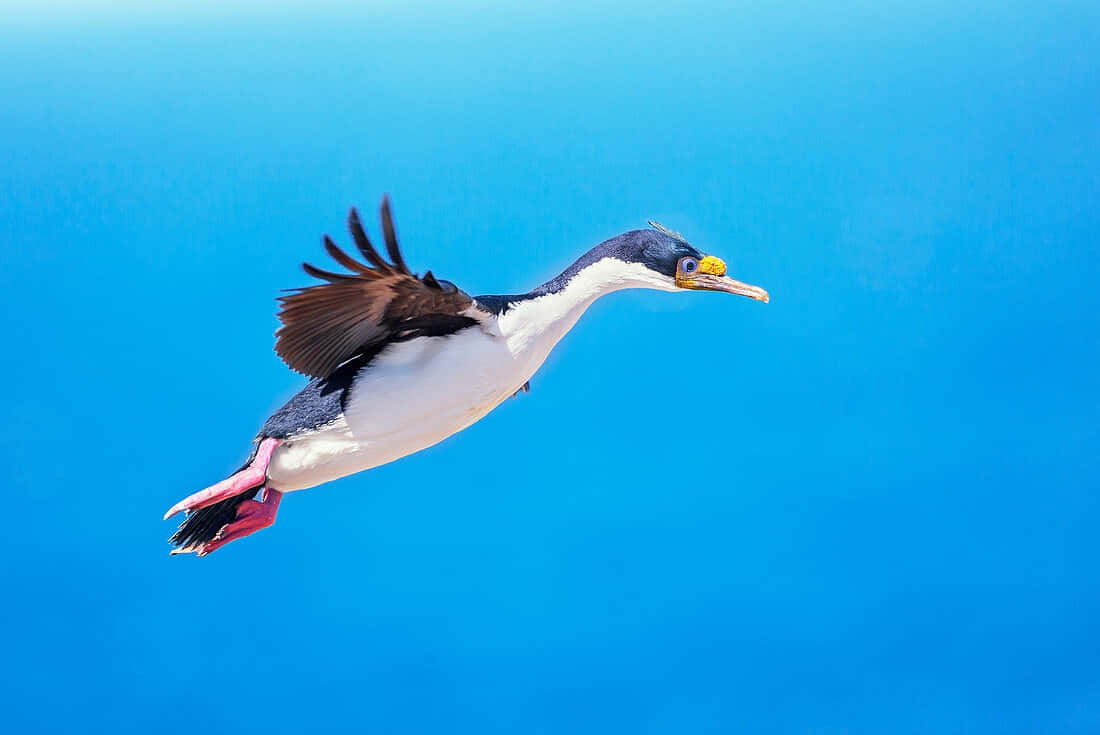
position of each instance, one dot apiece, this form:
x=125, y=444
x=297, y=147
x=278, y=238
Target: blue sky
x=868, y=506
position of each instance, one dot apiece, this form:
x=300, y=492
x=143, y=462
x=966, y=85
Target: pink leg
x=251, y=476
x=251, y=517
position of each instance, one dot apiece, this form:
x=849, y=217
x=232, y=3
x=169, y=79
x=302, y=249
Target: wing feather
x=390, y=236
x=344, y=259
x=363, y=242
x=430, y=282
x=326, y=324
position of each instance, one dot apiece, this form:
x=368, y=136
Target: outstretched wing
x=329, y=323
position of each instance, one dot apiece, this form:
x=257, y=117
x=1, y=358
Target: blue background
x=869, y=506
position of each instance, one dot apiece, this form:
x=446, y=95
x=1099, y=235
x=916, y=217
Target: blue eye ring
x=689, y=265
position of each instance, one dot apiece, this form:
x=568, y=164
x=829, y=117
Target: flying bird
x=399, y=362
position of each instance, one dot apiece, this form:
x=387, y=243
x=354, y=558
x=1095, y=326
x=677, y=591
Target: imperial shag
x=400, y=362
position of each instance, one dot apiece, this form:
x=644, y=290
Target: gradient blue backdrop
x=868, y=507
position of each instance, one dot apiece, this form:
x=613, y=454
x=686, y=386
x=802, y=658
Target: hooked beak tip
x=730, y=285
x=723, y=283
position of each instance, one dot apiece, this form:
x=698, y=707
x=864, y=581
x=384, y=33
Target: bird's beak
x=711, y=276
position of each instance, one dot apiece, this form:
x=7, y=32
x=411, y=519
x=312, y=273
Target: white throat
x=540, y=322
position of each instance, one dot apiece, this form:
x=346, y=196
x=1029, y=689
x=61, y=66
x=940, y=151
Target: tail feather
x=202, y=525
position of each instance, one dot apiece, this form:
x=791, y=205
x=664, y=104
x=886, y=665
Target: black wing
x=329, y=323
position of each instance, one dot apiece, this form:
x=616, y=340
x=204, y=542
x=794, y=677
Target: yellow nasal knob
x=713, y=266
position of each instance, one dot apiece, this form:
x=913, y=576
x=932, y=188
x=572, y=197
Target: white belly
x=417, y=393
x=411, y=396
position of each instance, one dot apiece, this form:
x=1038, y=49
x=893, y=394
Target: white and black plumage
x=400, y=362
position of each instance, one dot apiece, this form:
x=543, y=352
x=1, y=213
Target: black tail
x=202, y=525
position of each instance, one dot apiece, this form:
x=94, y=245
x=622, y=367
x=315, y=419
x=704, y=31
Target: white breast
x=417, y=393
x=411, y=396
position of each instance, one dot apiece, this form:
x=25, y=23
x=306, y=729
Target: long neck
x=539, y=319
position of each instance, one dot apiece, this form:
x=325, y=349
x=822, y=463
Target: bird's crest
x=671, y=233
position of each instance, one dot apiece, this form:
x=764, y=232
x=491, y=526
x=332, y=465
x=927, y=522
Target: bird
x=398, y=362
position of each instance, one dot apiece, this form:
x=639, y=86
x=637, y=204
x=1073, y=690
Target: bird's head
x=676, y=264
x=658, y=259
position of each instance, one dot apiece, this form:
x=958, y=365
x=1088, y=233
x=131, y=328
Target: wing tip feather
x=322, y=325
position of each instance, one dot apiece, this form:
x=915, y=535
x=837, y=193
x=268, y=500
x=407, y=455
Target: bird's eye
x=688, y=265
